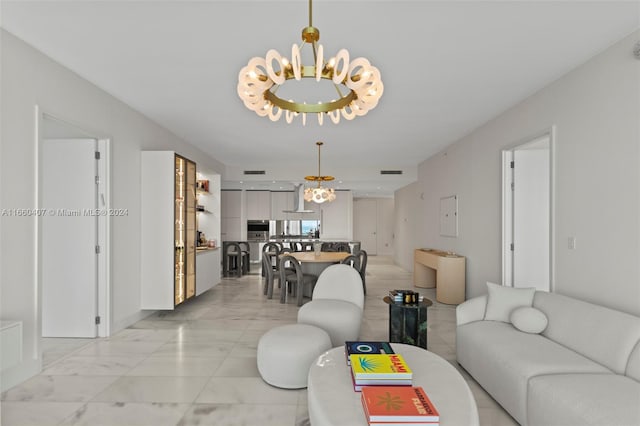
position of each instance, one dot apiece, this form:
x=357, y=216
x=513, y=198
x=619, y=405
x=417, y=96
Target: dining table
x=313, y=263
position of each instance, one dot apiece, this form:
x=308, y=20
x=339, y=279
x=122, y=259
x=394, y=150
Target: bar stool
x=246, y=256
x=233, y=258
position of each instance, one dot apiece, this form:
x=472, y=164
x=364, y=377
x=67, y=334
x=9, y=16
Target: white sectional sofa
x=583, y=368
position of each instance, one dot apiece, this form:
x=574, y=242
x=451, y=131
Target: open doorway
x=527, y=188
x=73, y=229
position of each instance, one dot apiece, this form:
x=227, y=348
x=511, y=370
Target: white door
x=365, y=228
x=530, y=219
x=69, y=238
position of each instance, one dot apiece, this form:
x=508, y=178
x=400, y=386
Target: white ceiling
x=448, y=67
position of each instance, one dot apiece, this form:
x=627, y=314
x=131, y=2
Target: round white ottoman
x=286, y=353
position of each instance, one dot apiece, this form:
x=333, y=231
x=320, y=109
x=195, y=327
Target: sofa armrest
x=471, y=310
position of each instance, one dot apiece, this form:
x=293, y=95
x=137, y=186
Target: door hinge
x=97, y=180
x=97, y=320
x=511, y=246
x=512, y=186
x=97, y=156
x=97, y=249
x=512, y=164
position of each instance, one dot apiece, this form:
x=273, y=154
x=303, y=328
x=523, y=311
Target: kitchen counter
x=354, y=245
x=205, y=249
x=306, y=238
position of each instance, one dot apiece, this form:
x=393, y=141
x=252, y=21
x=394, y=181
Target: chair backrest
x=362, y=255
x=353, y=261
x=340, y=282
x=272, y=247
x=342, y=247
x=267, y=267
x=293, y=262
x=233, y=248
x=327, y=247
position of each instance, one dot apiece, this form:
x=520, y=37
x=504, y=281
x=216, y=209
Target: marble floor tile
x=59, y=388
x=174, y=366
x=195, y=349
x=94, y=366
x=127, y=413
x=157, y=324
x=144, y=335
x=119, y=347
x=240, y=415
x=205, y=335
x=244, y=349
x=153, y=389
x=24, y=413
x=238, y=367
x=245, y=390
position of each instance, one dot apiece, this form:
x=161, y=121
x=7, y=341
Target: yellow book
x=379, y=366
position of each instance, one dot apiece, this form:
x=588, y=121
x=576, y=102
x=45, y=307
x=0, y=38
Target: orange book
x=386, y=404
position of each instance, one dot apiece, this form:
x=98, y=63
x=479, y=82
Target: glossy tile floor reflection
x=197, y=365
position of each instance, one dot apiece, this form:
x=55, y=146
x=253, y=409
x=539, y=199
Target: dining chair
x=337, y=304
x=327, y=247
x=353, y=261
x=362, y=255
x=273, y=249
x=269, y=273
x=294, y=281
x=342, y=247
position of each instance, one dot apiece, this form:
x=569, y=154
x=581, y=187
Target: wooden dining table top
x=323, y=257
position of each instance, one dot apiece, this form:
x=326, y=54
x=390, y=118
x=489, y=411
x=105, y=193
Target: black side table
x=408, y=323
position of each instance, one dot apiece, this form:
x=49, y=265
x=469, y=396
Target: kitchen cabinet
x=258, y=205
x=231, y=203
x=336, y=220
x=168, y=228
x=231, y=223
x=231, y=229
x=280, y=201
x=207, y=269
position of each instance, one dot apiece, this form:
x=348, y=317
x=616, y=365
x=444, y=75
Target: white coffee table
x=333, y=402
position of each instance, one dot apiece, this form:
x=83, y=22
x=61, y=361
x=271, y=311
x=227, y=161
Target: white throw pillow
x=502, y=300
x=529, y=320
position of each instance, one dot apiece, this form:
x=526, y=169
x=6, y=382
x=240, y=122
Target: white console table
x=444, y=271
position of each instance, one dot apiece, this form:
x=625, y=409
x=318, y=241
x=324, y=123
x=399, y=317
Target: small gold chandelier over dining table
x=319, y=194
x=259, y=81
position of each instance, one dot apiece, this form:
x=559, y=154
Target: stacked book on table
x=379, y=370
x=398, y=405
x=385, y=380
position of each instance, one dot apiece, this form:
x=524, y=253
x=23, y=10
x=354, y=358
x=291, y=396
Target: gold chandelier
x=319, y=194
x=260, y=80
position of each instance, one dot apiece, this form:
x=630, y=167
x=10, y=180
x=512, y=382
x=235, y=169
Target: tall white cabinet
x=258, y=205
x=233, y=224
x=168, y=229
x=174, y=267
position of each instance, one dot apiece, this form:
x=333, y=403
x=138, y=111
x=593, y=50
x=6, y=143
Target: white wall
x=596, y=111
x=29, y=78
